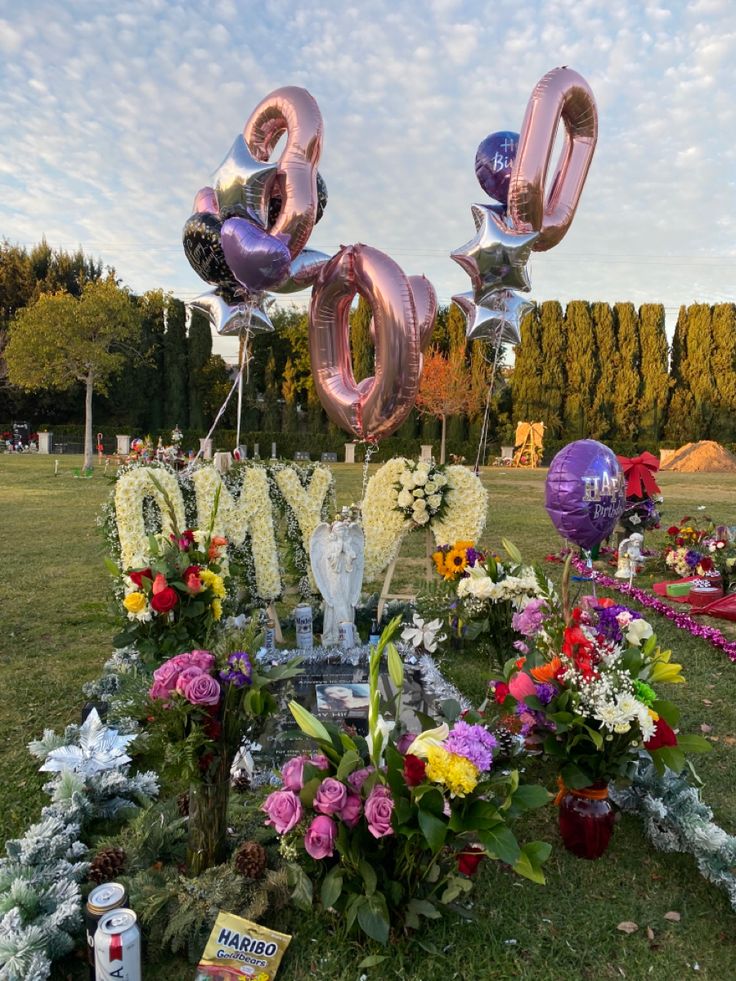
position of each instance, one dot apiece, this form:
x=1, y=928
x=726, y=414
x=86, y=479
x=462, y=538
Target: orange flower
x=547, y=672
x=216, y=543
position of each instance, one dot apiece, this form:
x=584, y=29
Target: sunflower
x=455, y=561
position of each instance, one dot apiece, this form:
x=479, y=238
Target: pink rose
x=378, y=810
x=292, y=773
x=330, y=797
x=284, y=810
x=521, y=685
x=185, y=677
x=203, y=660
x=202, y=690
x=164, y=677
x=320, y=761
x=319, y=840
x=350, y=813
x=181, y=661
x=357, y=779
x=159, y=691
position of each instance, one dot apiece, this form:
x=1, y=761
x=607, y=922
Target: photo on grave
x=342, y=701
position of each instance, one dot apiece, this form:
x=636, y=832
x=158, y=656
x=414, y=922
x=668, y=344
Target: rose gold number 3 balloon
x=293, y=111
x=404, y=310
x=561, y=94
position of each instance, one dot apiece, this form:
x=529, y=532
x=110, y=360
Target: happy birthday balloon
x=585, y=492
x=494, y=160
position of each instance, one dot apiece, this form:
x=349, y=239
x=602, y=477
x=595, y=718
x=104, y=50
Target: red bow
x=639, y=472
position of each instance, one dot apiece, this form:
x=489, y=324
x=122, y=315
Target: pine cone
x=250, y=860
x=241, y=782
x=107, y=864
x=182, y=803
x=506, y=741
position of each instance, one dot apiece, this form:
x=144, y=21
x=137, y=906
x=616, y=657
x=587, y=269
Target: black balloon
x=274, y=205
x=201, y=237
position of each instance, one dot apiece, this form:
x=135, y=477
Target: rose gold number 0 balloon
x=561, y=94
x=403, y=316
x=293, y=111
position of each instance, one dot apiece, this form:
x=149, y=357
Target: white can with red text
x=118, y=947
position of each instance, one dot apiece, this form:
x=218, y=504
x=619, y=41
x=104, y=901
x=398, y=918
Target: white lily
x=384, y=728
x=638, y=630
x=423, y=634
x=431, y=737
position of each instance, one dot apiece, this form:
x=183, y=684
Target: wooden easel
x=529, y=443
x=428, y=568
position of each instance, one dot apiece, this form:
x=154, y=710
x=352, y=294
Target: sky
x=114, y=114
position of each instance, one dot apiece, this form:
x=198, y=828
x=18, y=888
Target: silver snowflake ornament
x=100, y=748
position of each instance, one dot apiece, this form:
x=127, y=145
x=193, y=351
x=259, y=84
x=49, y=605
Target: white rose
x=422, y=467
x=434, y=500
x=405, y=499
x=638, y=631
x=418, y=492
x=421, y=517
x=430, y=487
x=420, y=505
x=420, y=478
x=440, y=479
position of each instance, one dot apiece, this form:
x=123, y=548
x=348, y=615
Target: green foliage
x=175, y=377
x=655, y=380
x=582, y=369
x=601, y=423
x=553, y=379
x=199, y=351
x=627, y=385
x=361, y=344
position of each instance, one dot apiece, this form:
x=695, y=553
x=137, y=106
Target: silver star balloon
x=242, y=184
x=303, y=272
x=496, y=256
x=229, y=319
x=496, y=317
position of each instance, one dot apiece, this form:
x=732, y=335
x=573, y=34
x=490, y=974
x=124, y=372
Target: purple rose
x=292, y=773
x=185, y=677
x=202, y=690
x=330, y=797
x=357, y=779
x=164, y=677
x=181, y=661
x=405, y=741
x=203, y=660
x=378, y=810
x=284, y=810
x=320, y=761
x=350, y=813
x=319, y=840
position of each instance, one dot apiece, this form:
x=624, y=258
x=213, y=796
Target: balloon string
x=245, y=360
x=370, y=449
x=483, y=440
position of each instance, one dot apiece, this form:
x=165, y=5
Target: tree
x=553, y=378
x=526, y=380
x=361, y=344
x=199, y=351
x=698, y=367
x=582, y=369
x=600, y=424
x=445, y=388
x=681, y=415
x=655, y=379
x=60, y=340
x=175, y=364
x=627, y=386
x=723, y=363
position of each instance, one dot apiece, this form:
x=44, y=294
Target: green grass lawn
x=56, y=635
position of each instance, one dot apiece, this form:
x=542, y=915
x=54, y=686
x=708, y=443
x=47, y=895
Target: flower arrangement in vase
x=584, y=693
x=389, y=829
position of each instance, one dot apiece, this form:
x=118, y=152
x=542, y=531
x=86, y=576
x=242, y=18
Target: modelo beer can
x=269, y=636
x=303, y=624
x=346, y=634
x=118, y=947
x=103, y=899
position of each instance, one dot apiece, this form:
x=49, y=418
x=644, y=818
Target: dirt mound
x=706, y=456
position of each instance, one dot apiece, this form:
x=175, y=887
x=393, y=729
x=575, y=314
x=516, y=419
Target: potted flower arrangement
x=175, y=602
x=195, y=715
x=585, y=691
x=389, y=829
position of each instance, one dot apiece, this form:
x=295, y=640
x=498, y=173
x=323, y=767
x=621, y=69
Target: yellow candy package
x=239, y=950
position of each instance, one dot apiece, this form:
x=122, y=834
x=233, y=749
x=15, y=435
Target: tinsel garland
x=680, y=619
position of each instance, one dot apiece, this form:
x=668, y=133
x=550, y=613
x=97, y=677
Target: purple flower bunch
x=238, y=671
x=334, y=801
x=474, y=742
x=188, y=675
x=611, y=622
x=528, y=621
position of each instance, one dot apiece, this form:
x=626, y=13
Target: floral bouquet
x=421, y=491
x=197, y=712
x=640, y=514
x=176, y=601
x=584, y=691
x=390, y=828
x=720, y=549
x=452, y=561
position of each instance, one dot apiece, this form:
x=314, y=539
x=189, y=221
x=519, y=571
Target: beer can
x=103, y=899
x=303, y=624
x=118, y=947
x=269, y=636
x=346, y=634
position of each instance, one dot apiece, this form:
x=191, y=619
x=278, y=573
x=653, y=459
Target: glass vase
x=207, y=825
x=586, y=820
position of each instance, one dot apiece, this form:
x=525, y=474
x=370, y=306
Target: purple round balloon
x=585, y=492
x=257, y=259
x=494, y=161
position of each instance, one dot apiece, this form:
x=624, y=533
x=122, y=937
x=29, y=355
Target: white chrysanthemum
x=405, y=499
x=407, y=479
x=420, y=478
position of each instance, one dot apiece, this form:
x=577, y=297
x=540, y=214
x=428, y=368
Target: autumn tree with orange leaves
x=446, y=388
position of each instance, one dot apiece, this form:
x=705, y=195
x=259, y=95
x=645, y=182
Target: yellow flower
x=135, y=603
x=214, y=582
x=457, y=773
x=455, y=561
x=428, y=738
x=216, y=609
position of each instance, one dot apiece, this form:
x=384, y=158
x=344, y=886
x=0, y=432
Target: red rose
x=191, y=570
x=500, y=691
x=165, y=600
x=469, y=860
x=414, y=769
x=673, y=530
x=664, y=735
x=706, y=564
x=138, y=577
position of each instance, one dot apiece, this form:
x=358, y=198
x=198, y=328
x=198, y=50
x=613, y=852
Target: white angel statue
x=337, y=553
x=629, y=556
